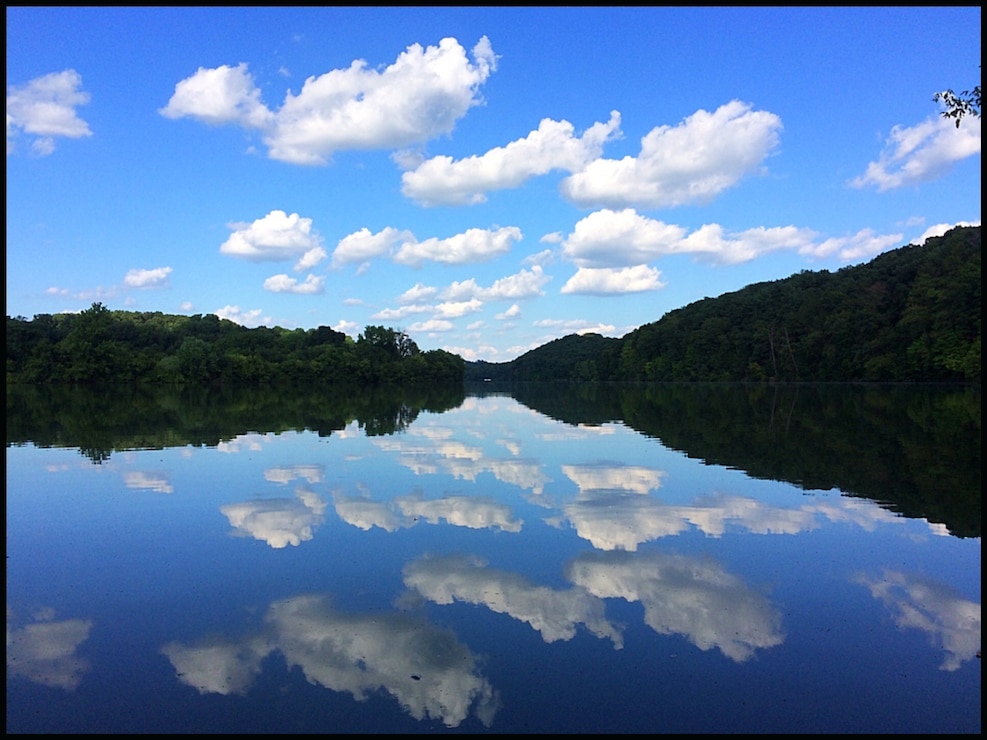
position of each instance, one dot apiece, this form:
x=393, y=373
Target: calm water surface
x=552, y=560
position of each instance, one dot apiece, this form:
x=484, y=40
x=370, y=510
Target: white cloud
x=46, y=108
x=312, y=285
x=221, y=95
x=940, y=229
x=348, y=327
x=473, y=245
x=396, y=314
x=917, y=154
x=608, y=239
x=244, y=318
x=362, y=245
x=577, y=326
x=418, y=97
x=277, y=236
x=710, y=241
x=155, y=278
x=552, y=146
x=865, y=243
x=690, y=163
x=432, y=325
x=417, y=294
x=456, y=309
x=513, y=312
x=310, y=259
x=607, y=280
x=524, y=284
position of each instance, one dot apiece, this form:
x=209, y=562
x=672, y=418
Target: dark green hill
x=908, y=315
x=574, y=357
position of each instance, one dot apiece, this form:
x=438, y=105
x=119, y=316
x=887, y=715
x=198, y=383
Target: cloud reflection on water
x=693, y=597
x=551, y=612
x=45, y=650
x=278, y=521
x=919, y=603
x=425, y=668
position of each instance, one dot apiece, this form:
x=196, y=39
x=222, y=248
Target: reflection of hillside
x=100, y=421
x=915, y=449
x=426, y=669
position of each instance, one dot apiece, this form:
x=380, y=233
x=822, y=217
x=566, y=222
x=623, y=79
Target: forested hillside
x=100, y=345
x=909, y=315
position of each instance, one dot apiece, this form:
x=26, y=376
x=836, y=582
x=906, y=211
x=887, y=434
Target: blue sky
x=484, y=179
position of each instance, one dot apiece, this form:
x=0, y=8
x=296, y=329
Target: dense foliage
x=909, y=315
x=100, y=345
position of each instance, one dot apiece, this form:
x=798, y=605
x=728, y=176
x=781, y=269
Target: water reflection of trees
x=100, y=421
x=915, y=449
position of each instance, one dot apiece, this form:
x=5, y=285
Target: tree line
x=101, y=345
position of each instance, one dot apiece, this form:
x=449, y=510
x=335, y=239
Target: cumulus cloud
x=922, y=153
x=418, y=293
x=552, y=146
x=312, y=285
x=418, y=97
x=362, y=245
x=45, y=108
x=154, y=278
x=712, y=242
x=397, y=314
x=432, y=325
x=865, y=243
x=221, y=95
x=940, y=229
x=690, y=163
x=575, y=326
x=244, y=318
x=610, y=239
x=473, y=245
x=610, y=280
x=456, y=309
x=523, y=284
x=275, y=237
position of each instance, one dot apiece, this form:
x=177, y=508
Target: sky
x=485, y=180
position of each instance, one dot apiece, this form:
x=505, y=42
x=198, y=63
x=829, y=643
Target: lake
x=529, y=559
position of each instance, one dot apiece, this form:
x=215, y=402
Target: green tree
x=958, y=105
